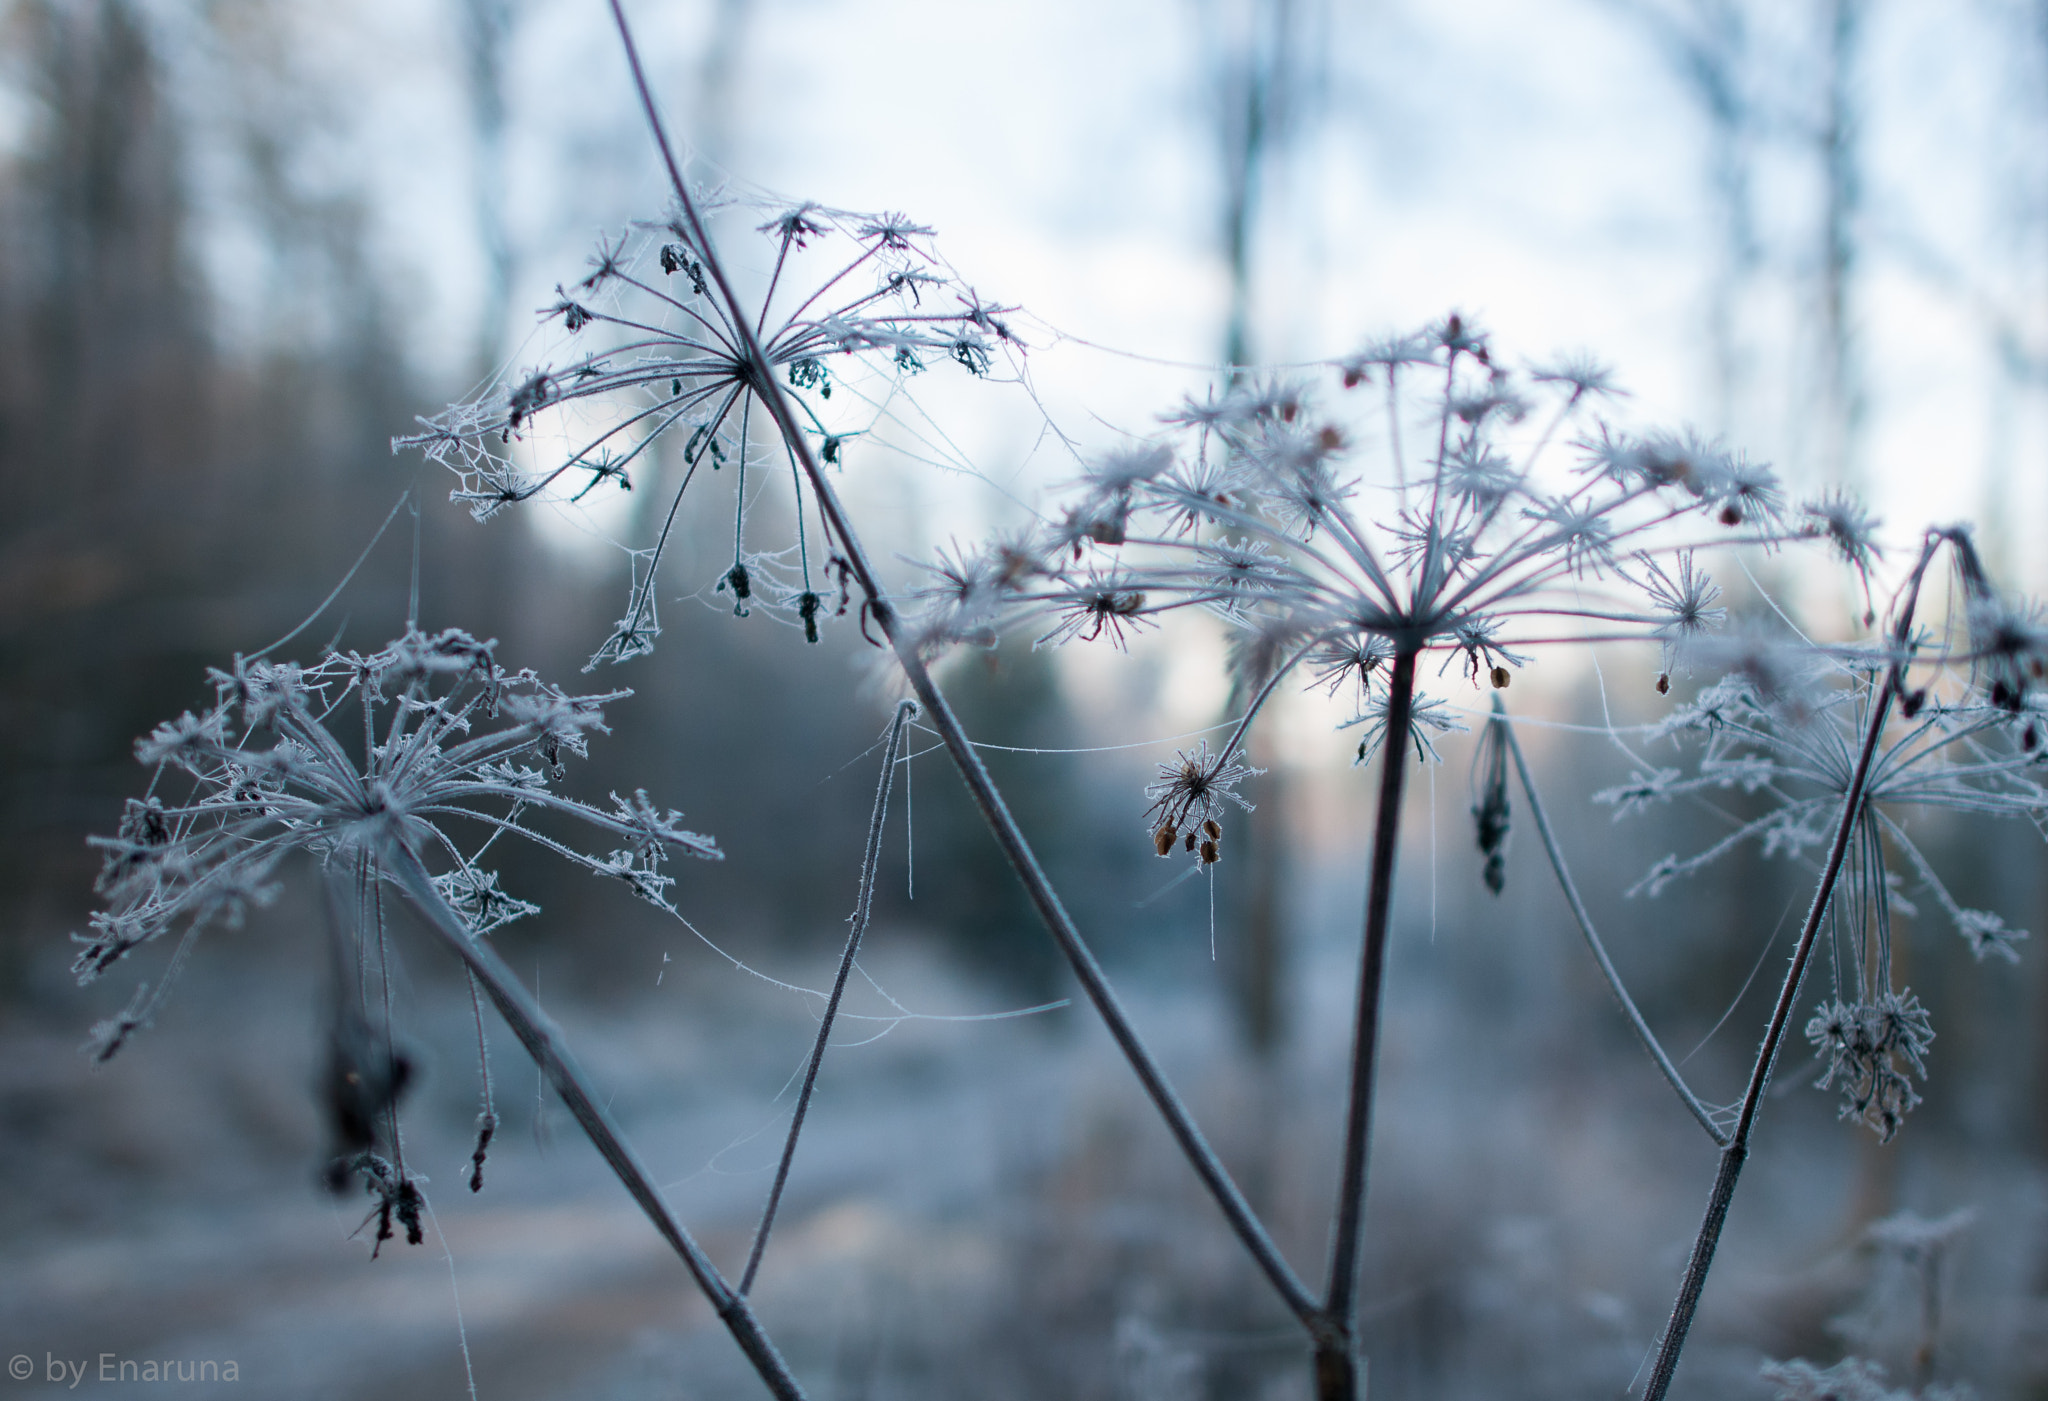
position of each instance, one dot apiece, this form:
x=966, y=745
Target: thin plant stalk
x=875, y=605
x=1736, y=1151
x=543, y=1042
x=863, y=906
x=1699, y=1109
x=1337, y=1355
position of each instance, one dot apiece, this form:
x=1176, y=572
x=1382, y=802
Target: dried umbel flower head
x=1788, y=725
x=1261, y=504
x=852, y=298
x=1188, y=800
x=427, y=744
x=1866, y=1050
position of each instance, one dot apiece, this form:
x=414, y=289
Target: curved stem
x=1607, y=969
x=1257, y=1241
x=862, y=905
x=1737, y=1150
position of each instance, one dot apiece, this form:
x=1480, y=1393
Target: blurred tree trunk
x=1839, y=141
x=487, y=27
x=1260, y=97
x=1706, y=44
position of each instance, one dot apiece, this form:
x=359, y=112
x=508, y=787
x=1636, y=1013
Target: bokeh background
x=244, y=242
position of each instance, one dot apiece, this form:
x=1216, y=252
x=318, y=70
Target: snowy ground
x=979, y=1208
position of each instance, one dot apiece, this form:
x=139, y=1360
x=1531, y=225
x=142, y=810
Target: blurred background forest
x=244, y=242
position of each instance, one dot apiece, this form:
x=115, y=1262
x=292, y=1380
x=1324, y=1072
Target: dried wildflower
x=1266, y=519
x=1189, y=796
x=1685, y=597
x=270, y=770
x=1103, y=605
x=1427, y=716
x=674, y=361
x=1350, y=657
x=1849, y=529
x=1580, y=372
x=1866, y=1049
x=1793, y=732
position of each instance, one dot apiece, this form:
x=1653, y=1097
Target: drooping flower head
x=1787, y=724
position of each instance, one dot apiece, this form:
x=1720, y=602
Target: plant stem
x=1337, y=1357
x=1208, y=1167
x=1607, y=969
x=543, y=1041
x=863, y=904
x=1736, y=1152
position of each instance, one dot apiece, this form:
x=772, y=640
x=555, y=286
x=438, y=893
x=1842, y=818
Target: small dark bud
x=487, y=1126
x=1163, y=839
x=807, y=608
x=1212, y=829
x=671, y=259
x=1191, y=839
x=1353, y=378
x=810, y=373
x=831, y=453
x=1500, y=678
x=1664, y=683
x=1210, y=854
x=742, y=587
x=2029, y=740
x=1910, y=703
x=1731, y=514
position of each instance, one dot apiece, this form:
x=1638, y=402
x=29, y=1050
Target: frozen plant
x=1423, y=501
x=1419, y=502
x=405, y=767
x=1839, y=738
x=663, y=351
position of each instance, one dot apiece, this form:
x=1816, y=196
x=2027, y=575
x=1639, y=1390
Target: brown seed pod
x=1731, y=514
x=1210, y=854
x=1500, y=678
x=1162, y=840
x=1212, y=829
x=1191, y=839
x=1664, y=683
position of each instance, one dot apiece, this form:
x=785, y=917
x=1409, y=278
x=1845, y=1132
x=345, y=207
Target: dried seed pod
x=1664, y=683
x=1162, y=840
x=1191, y=839
x=1731, y=514
x=1212, y=829
x=1210, y=854
x=1500, y=678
